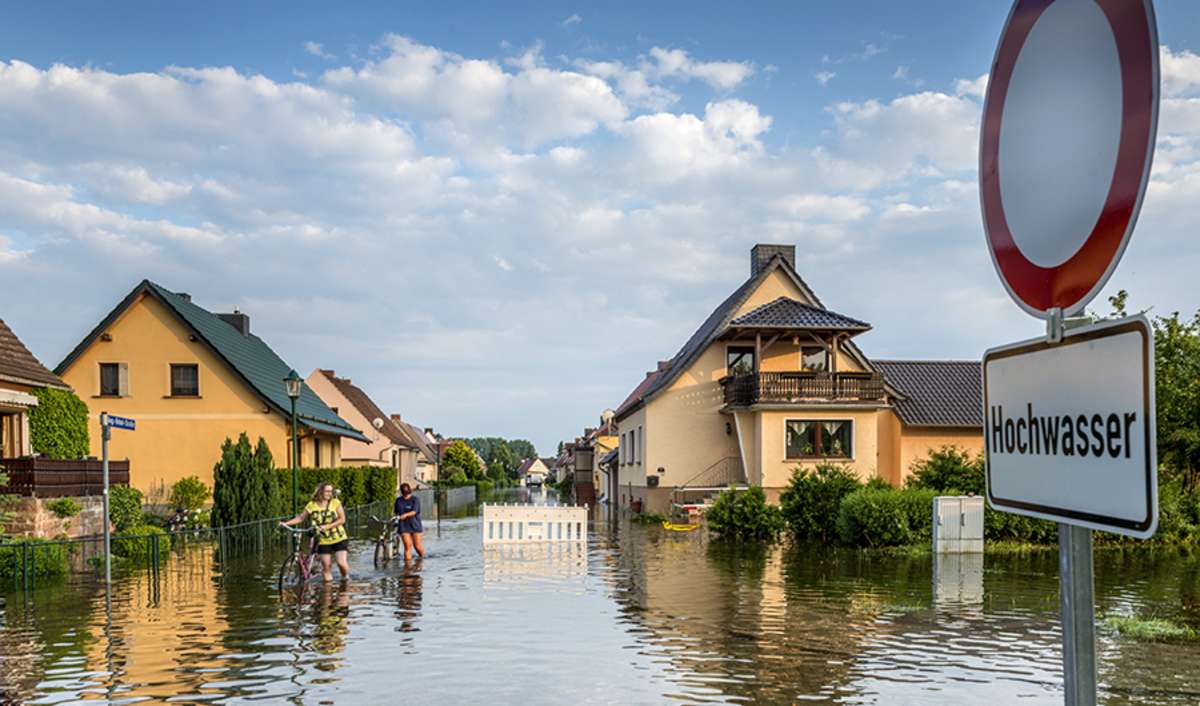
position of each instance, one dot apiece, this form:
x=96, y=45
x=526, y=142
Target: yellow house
x=192, y=379
x=773, y=379
x=390, y=444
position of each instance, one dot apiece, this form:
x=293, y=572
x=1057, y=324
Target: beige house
x=772, y=380
x=532, y=471
x=388, y=443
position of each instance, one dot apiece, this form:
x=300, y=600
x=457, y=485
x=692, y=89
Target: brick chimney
x=238, y=320
x=761, y=254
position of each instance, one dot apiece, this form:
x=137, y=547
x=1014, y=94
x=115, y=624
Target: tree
x=459, y=455
x=503, y=456
x=244, y=485
x=522, y=448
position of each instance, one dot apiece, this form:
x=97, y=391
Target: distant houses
x=532, y=471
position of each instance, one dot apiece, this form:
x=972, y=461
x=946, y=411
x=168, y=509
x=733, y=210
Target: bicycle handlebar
x=293, y=530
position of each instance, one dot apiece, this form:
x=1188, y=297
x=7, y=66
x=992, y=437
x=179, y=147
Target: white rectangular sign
x=1069, y=428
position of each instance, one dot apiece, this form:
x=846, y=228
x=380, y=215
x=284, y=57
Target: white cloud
x=721, y=75
x=975, y=87
x=1179, y=72
x=318, y=50
x=823, y=207
x=824, y=77
x=901, y=73
x=503, y=264
x=572, y=20
x=672, y=147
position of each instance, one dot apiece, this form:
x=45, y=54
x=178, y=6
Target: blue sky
x=496, y=217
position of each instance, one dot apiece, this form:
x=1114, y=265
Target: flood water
x=641, y=616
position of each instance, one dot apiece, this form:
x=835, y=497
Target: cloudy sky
x=495, y=220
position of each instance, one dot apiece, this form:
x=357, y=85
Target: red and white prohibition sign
x=1067, y=138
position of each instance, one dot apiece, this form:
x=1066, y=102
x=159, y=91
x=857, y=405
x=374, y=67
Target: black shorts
x=333, y=548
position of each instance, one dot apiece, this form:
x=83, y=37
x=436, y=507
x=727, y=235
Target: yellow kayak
x=678, y=528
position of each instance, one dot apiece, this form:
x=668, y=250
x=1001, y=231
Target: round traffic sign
x=1066, y=142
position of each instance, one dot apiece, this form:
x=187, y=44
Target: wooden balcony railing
x=47, y=478
x=782, y=388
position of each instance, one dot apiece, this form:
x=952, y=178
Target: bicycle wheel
x=290, y=573
x=382, y=553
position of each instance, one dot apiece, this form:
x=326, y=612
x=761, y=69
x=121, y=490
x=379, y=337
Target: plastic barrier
x=534, y=523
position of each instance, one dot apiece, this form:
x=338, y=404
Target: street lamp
x=292, y=384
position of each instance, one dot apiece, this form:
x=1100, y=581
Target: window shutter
x=123, y=379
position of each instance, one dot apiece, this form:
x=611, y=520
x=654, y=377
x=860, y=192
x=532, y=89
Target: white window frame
x=817, y=459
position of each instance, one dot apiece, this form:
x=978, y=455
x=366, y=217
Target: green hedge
x=886, y=517
x=359, y=485
x=744, y=514
x=135, y=543
x=810, y=502
x=48, y=559
x=58, y=425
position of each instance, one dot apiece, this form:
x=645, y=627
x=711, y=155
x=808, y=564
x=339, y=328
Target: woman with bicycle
x=408, y=521
x=328, y=520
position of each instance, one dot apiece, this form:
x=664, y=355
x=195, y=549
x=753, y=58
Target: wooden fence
x=48, y=478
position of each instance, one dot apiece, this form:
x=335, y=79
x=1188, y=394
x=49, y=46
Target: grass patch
x=1009, y=547
x=1148, y=629
x=648, y=518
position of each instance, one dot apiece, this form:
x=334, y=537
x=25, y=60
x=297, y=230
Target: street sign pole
x=1076, y=584
x=105, y=434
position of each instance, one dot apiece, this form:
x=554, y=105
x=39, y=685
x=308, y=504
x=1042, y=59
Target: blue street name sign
x=121, y=422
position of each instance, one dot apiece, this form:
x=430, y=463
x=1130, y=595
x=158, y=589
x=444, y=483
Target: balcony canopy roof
x=786, y=314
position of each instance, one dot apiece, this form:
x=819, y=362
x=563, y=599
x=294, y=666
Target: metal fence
x=24, y=564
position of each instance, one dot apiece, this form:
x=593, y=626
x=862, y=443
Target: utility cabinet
x=958, y=524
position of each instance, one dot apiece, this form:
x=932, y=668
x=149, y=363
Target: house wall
x=917, y=442
x=632, y=475
x=777, y=468
x=889, y=447
x=175, y=436
x=353, y=452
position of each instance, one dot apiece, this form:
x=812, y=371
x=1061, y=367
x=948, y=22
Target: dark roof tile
x=937, y=393
x=785, y=313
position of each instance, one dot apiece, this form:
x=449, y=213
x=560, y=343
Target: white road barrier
x=534, y=523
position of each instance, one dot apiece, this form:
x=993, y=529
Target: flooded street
x=643, y=616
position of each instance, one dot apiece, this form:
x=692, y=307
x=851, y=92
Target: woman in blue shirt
x=408, y=521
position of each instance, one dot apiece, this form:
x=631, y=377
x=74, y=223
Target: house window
x=814, y=359
x=185, y=380
x=316, y=453
x=739, y=360
x=814, y=438
x=110, y=379
x=633, y=446
x=641, y=446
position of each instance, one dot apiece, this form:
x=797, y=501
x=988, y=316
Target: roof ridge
x=935, y=361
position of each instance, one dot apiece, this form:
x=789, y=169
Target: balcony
x=793, y=388
x=47, y=478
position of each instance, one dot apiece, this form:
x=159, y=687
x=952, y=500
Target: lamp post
x=292, y=384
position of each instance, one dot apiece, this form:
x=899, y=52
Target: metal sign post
x=107, y=424
x=105, y=434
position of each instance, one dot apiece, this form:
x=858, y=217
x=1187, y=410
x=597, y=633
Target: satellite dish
x=607, y=415
x=378, y=423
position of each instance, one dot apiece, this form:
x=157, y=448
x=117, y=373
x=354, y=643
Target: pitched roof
x=527, y=465
x=786, y=313
x=18, y=365
x=418, y=440
x=936, y=393
x=367, y=408
x=246, y=355
x=712, y=328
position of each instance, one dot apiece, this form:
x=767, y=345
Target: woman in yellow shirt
x=329, y=520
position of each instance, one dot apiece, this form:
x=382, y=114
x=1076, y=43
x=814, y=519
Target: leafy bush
x=460, y=455
x=64, y=508
x=357, y=485
x=950, y=471
x=124, y=507
x=134, y=543
x=1006, y=527
x=44, y=559
x=890, y=517
x=810, y=502
x=482, y=486
x=58, y=425
x=745, y=515
x=648, y=518
x=457, y=478
x=189, y=493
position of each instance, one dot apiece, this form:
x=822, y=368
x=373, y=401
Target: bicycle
x=385, y=543
x=298, y=567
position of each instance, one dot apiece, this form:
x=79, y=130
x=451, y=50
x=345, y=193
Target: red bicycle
x=297, y=569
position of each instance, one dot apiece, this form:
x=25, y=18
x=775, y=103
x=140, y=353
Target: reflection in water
x=638, y=615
